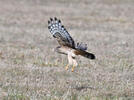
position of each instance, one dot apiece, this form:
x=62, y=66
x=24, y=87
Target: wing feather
x=60, y=33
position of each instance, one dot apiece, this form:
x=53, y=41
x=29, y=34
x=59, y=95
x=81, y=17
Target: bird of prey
x=67, y=44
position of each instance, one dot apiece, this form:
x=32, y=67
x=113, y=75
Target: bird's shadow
x=79, y=88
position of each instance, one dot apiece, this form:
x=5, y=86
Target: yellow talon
x=73, y=69
x=66, y=67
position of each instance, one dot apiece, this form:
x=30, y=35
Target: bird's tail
x=85, y=54
x=88, y=55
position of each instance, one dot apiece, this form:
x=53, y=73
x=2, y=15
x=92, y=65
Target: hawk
x=67, y=44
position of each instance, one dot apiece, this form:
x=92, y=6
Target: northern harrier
x=67, y=44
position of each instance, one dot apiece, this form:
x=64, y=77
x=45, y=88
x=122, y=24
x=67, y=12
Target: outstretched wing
x=60, y=33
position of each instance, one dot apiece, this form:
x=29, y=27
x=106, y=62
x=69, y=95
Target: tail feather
x=89, y=55
x=85, y=54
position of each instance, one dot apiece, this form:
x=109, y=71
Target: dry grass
x=31, y=70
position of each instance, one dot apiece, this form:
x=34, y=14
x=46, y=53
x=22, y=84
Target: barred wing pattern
x=81, y=46
x=60, y=33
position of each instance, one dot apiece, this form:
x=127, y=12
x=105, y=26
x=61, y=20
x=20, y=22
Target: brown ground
x=31, y=70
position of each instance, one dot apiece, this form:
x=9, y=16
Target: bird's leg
x=66, y=68
x=73, y=68
x=70, y=62
x=74, y=64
